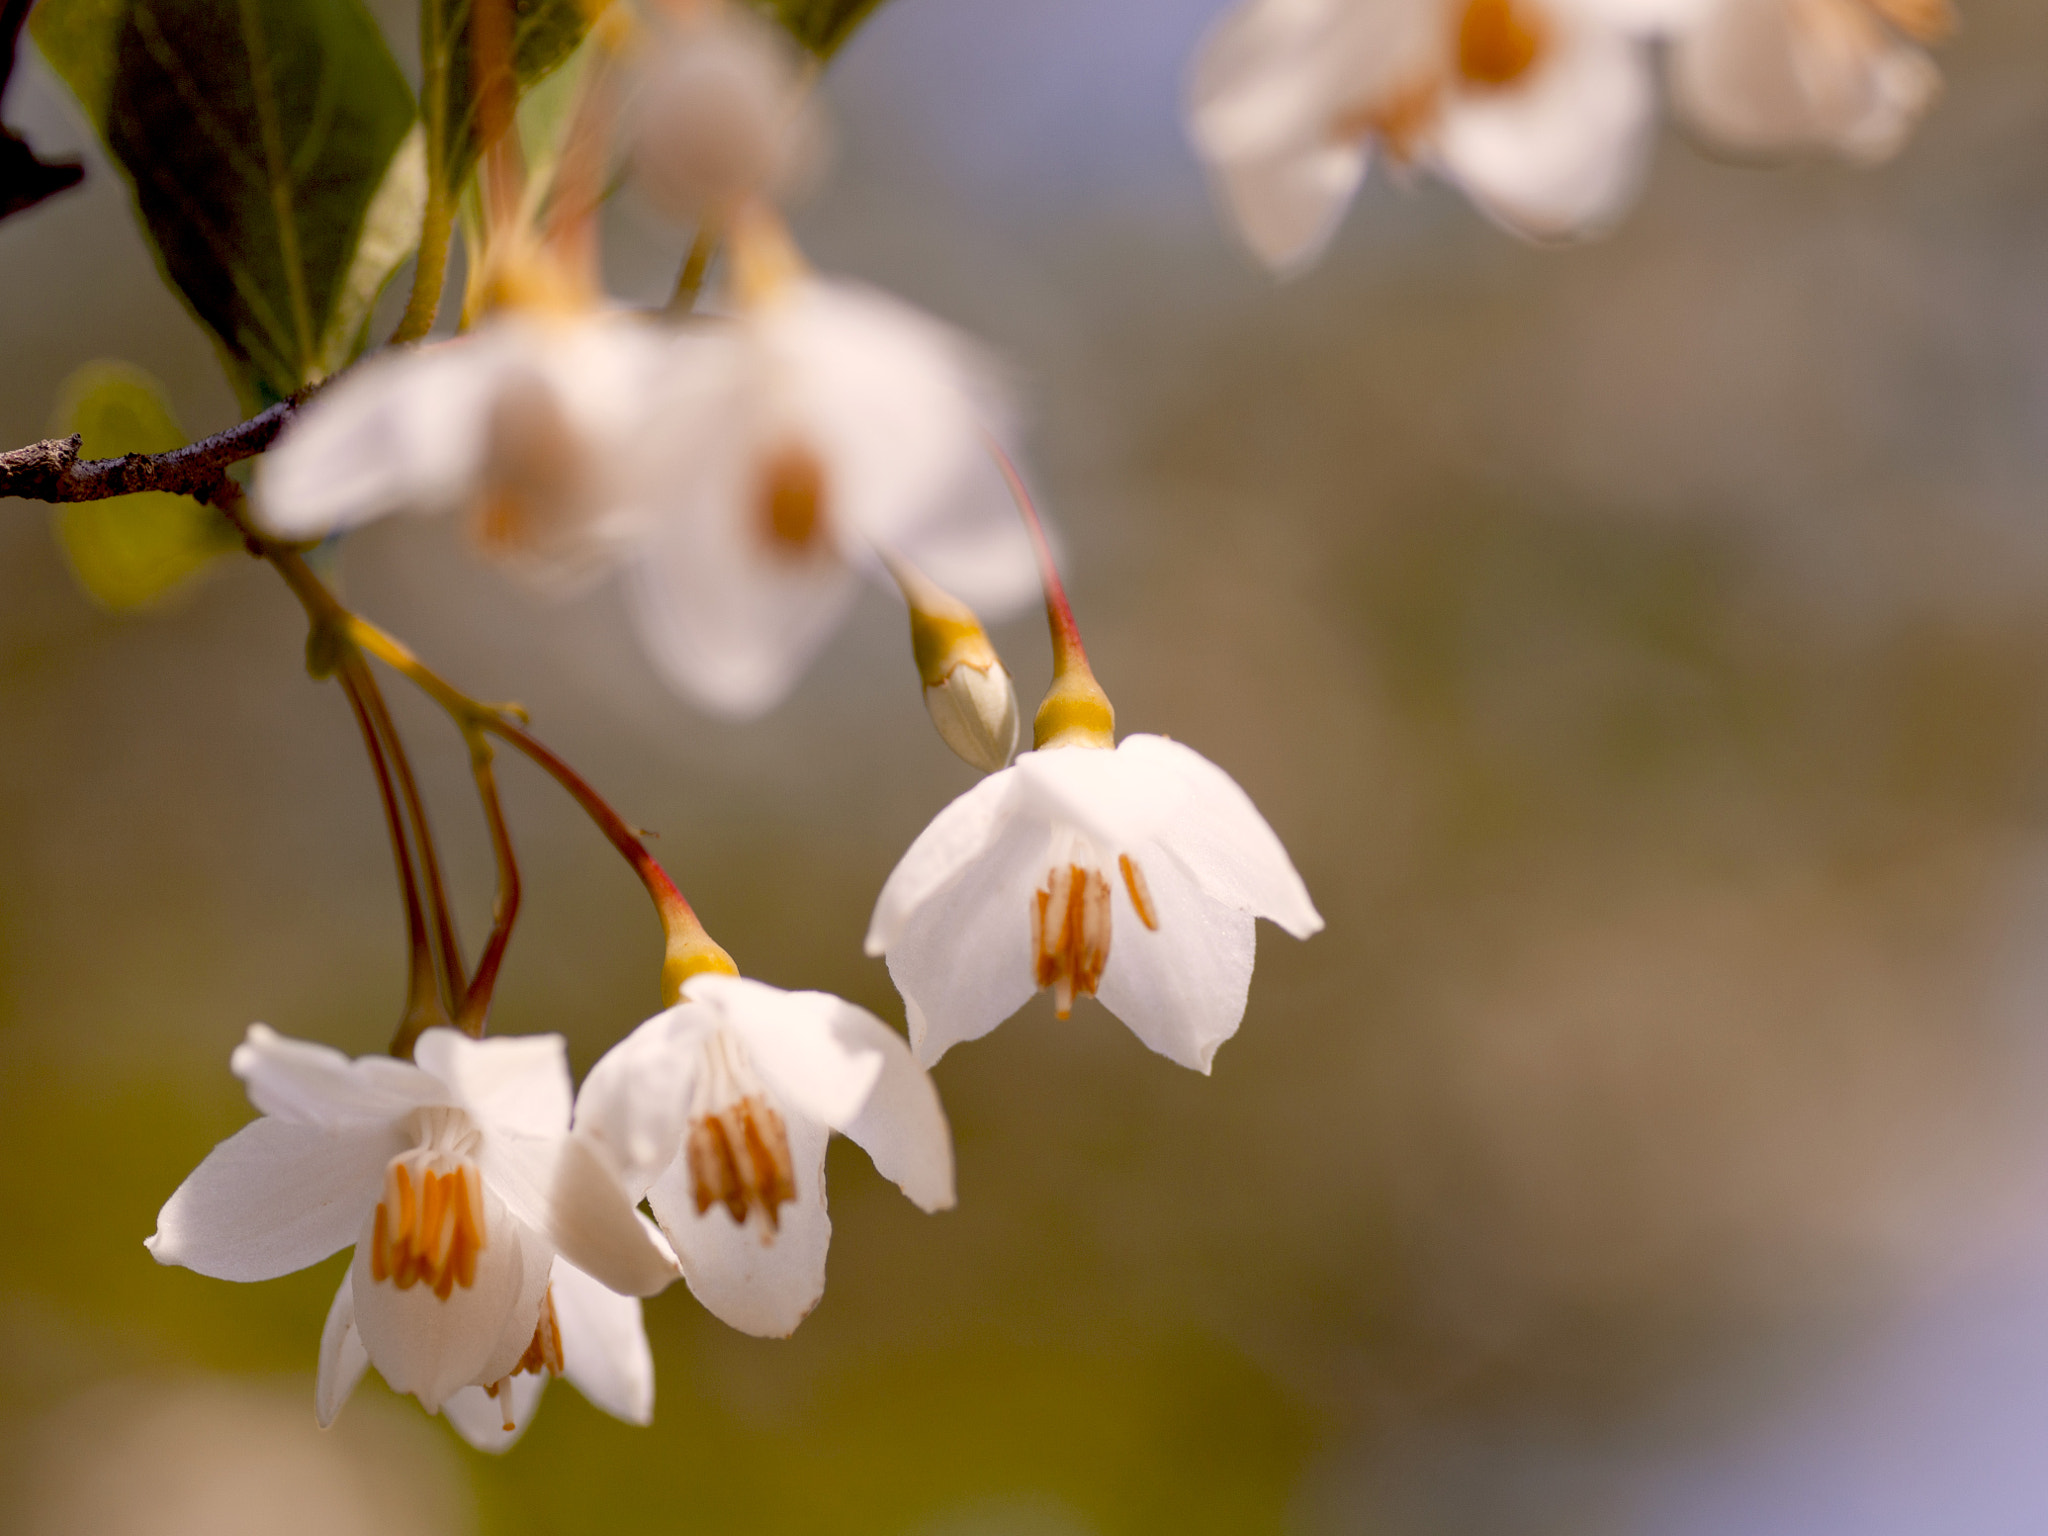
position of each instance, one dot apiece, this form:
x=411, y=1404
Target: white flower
x=1789, y=76
x=823, y=420
x=457, y=1180
x=519, y=424
x=1133, y=874
x=1541, y=110
x=721, y=112
x=720, y=1109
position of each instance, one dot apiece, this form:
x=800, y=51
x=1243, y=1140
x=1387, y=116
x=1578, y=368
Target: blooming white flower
x=457, y=1180
x=521, y=423
x=1023, y=882
x=720, y=1109
x=1785, y=76
x=1541, y=110
x=823, y=420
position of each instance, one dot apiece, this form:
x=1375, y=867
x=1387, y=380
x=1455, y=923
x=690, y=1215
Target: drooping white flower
x=720, y=1109
x=456, y=1179
x=1132, y=873
x=721, y=111
x=520, y=425
x=1541, y=110
x=821, y=421
x=1846, y=77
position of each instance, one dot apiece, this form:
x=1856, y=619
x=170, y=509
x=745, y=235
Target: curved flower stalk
x=1540, y=110
x=719, y=1110
x=1131, y=871
x=822, y=421
x=457, y=1181
x=1846, y=77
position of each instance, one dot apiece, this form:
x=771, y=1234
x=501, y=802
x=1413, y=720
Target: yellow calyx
x=764, y=262
x=967, y=690
x=691, y=952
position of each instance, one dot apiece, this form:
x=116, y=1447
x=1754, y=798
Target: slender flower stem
x=696, y=265
x=476, y=1004
x=437, y=222
x=1067, y=650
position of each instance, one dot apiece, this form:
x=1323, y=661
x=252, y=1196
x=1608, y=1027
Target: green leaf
x=822, y=26
x=544, y=34
x=261, y=139
x=129, y=551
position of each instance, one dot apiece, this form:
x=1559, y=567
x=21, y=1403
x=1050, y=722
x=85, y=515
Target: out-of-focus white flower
x=1022, y=882
x=456, y=1179
x=823, y=421
x=521, y=424
x=721, y=111
x=1541, y=110
x=1846, y=77
x=720, y=1108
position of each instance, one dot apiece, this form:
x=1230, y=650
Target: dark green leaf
x=822, y=26
x=24, y=179
x=128, y=551
x=262, y=138
x=544, y=34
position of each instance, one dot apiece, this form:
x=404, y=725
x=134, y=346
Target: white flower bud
x=975, y=709
x=721, y=115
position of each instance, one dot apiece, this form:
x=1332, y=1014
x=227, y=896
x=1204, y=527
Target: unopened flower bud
x=967, y=690
x=721, y=116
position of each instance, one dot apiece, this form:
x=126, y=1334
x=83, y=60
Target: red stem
x=1068, y=653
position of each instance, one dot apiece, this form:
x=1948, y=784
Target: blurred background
x=1642, y=647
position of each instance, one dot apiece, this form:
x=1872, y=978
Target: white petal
x=1117, y=798
x=561, y=1187
x=760, y=1283
x=1182, y=988
x=342, y=1357
x=795, y=1043
x=901, y=1125
x=480, y=1418
x=963, y=961
x=402, y=431
x=634, y=1104
x=517, y=1082
x=957, y=836
x=604, y=1345
x=1223, y=840
x=312, y=1084
x=1288, y=207
x=432, y=1347
x=274, y=1197
x=1562, y=152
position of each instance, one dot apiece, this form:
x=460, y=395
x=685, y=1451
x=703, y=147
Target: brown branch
x=52, y=470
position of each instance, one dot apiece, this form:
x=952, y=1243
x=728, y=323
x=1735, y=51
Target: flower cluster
x=1542, y=111
x=738, y=472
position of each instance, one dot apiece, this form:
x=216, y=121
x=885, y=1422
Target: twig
x=52, y=470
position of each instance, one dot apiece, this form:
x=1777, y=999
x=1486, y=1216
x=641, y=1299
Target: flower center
x=790, y=499
x=535, y=487
x=429, y=1226
x=1070, y=922
x=1498, y=40
x=543, y=1354
x=738, y=1146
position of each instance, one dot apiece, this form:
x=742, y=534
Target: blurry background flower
x=1641, y=650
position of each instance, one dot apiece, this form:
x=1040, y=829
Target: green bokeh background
x=1641, y=647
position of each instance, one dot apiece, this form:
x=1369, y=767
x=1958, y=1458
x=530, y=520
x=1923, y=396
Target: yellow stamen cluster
x=739, y=1158
x=1070, y=933
x=428, y=1228
x=1498, y=41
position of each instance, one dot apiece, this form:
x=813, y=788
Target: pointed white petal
x=794, y=1043
x=561, y=1187
x=901, y=1125
x=1561, y=153
x=518, y=1082
x=634, y=1104
x=963, y=960
x=403, y=431
x=1181, y=988
x=342, y=1357
x=312, y=1084
x=1115, y=798
x=431, y=1347
x=274, y=1197
x=480, y=1418
x=604, y=1345
x=1223, y=840
x=756, y=1282
x=957, y=836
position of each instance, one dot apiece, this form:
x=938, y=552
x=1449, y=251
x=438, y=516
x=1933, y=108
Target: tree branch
x=52, y=470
